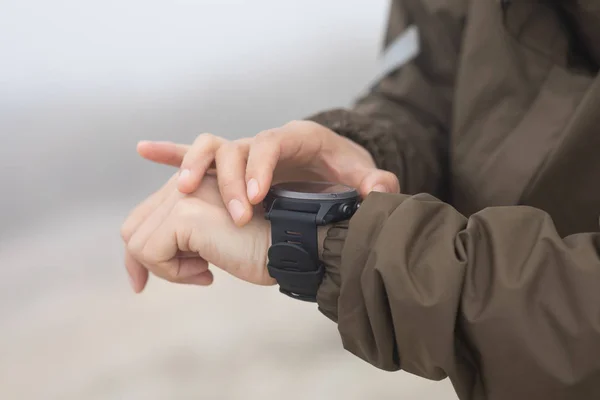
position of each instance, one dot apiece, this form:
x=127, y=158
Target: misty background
x=81, y=82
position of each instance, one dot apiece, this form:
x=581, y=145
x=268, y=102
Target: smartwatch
x=295, y=211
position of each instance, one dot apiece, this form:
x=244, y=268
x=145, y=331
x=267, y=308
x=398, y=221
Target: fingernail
x=379, y=188
x=236, y=209
x=252, y=188
x=184, y=175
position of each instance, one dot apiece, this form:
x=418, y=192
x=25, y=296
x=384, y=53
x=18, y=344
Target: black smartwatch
x=295, y=210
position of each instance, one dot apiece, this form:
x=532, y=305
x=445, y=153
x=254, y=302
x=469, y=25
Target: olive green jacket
x=486, y=269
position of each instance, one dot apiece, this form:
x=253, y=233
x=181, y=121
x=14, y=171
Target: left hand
x=175, y=236
x=247, y=168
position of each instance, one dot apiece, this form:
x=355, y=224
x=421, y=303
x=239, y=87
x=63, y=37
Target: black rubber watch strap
x=293, y=256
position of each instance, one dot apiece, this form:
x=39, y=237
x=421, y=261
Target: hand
x=299, y=150
x=175, y=236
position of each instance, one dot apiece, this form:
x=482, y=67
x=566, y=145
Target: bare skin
x=238, y=174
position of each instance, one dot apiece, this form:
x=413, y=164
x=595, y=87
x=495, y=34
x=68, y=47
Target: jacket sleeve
x=498, y=302
x=405, y=119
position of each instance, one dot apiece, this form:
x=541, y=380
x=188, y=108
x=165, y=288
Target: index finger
x=167, y=153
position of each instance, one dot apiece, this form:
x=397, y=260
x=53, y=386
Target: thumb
x=373, y=179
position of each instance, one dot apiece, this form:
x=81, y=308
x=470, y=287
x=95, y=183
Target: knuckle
x=148, y=255
x=244, y=143
x=304, y=129
x=295, y=124
x=228, y=148
x=126, y=231
x=204, y=138
x=187, y=209
x=184, y=237
x=184, y=208
x=206, y=141
x=135, y=247
x=265, y=147
x=267, y=136
x=206, y=144
x=221, y=151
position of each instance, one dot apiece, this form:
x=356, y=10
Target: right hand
x=246, y=168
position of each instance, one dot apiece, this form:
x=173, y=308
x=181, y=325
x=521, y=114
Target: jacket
x=486, y=269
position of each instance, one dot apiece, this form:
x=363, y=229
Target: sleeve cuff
x=360, y=233
x=329, y=291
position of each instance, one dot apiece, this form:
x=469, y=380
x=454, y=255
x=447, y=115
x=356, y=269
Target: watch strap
x=294, y=254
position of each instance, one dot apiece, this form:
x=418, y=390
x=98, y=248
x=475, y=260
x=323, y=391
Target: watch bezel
x=277, y=191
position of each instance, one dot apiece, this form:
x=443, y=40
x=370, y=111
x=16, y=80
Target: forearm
x=499, y=302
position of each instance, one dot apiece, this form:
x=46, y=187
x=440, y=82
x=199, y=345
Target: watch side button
x=346, y=209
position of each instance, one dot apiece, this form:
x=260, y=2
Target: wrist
x=299, y=213
x=262, y=243
x=270, y=281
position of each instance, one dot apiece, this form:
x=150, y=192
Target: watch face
x=314, y=191
x=314, y=187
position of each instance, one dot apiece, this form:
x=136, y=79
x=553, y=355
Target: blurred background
x=80, y=83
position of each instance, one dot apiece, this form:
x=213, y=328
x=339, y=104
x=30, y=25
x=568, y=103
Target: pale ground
x=72, y=330
x=80, y=83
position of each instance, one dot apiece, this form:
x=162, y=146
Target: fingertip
x=142, y=147
x=186, y=182
x=148, y=144
x=379, y=188
x=246, y=218
x=207, y=278
x=184, y=188
x=138, y=283
x=367, y=189
x=143, y=280
x=136, y=273
x=379, y=181
x=252, y=190
x=204, y=279
x=140, y=288
x=256, y=191
x=132, y=283
x=262, y=188
x=240, y=213
x=184, y=175
x=257, y=200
